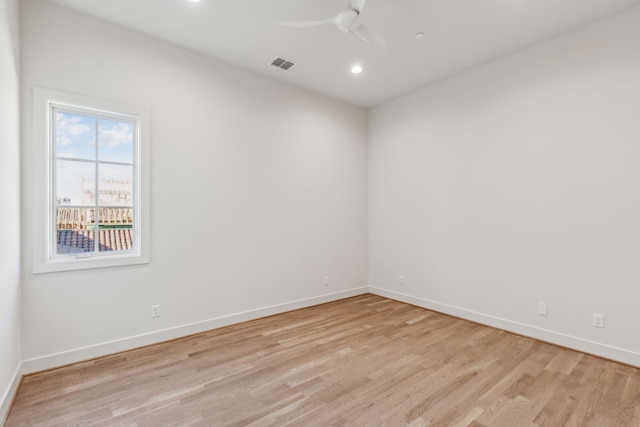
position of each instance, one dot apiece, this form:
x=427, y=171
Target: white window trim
x=42, y=221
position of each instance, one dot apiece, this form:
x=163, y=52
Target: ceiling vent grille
x=282, y=63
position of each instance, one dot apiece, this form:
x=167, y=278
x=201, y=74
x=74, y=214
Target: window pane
x=115, y=229
x=75, y=183
x=115, y=141
x=115, y=239
x=74, y=230
x=116, y=185
x=75, y=136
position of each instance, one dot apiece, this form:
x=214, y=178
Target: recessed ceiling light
x=419, y=35
x=194, y=1
x=356, y=69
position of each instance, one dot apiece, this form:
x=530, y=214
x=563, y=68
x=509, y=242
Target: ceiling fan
x=348, y=21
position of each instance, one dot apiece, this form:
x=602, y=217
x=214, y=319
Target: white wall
x=502, y=187
x=517, y=183
x=9, y=203
x=258, y=191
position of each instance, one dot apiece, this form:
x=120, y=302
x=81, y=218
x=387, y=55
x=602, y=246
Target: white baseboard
x=79, y=354
x=597, y=349
x=9, y=393
x=85, y=353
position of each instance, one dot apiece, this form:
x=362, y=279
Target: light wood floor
x=363, y=361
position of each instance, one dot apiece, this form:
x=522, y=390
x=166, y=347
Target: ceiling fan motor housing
x=347, y=20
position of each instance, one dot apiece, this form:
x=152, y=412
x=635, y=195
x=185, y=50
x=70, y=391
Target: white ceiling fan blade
x=309, y=24
x=370, y=37
x=304, y=24
x=357, y=5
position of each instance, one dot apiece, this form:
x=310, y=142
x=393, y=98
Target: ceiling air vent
x=282, y=63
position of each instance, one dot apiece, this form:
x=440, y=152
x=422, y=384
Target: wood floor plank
x=362, y=361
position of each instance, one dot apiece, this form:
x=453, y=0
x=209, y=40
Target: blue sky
x=76, y=137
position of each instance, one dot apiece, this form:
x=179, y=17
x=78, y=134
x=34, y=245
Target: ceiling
x=458, y=35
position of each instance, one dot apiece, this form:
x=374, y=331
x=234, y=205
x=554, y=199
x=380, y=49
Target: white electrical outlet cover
x=542, y=309
x=598, y=320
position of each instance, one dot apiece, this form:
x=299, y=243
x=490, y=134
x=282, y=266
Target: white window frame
x=43, y=216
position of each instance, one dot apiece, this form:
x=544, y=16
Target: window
x=91, y=186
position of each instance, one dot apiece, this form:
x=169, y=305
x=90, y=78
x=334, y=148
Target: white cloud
x=69, y=155
x=116, y=134
x=69, y=127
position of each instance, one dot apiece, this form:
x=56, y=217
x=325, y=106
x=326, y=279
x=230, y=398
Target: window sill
x=88, y=262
